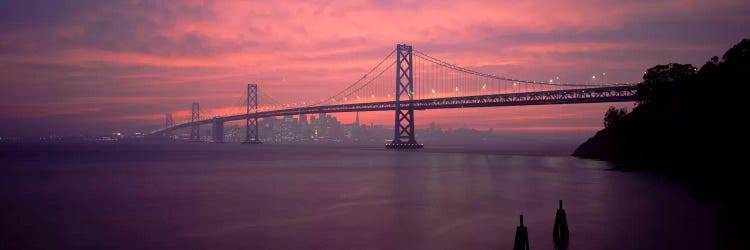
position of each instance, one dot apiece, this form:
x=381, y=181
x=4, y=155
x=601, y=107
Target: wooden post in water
x=560, y=233
x=522, y=237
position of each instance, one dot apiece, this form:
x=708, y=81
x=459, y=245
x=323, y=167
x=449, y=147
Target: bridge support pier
x=195, y=130
x=403, y=137
x=251, y=123
x=217, y=131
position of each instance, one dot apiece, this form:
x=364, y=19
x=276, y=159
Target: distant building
x=322, y=118
x=303, y=120
x=348, y=131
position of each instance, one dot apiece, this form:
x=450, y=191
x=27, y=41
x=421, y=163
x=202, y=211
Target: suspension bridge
x=422, y=82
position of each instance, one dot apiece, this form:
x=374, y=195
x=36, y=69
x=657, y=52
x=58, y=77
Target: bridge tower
x=195, y=130
x=403, y=137
x=169, y=121
x=251, y=123
x=217, y=130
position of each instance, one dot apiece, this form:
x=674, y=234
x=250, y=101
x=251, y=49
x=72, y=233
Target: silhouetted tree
x=737, y=59
x=614, y=115
x=712, y=66
x=686, y=123
x=689, y=112
x=661, y=82
x=680, y=109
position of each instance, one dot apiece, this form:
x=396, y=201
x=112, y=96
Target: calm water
x=204, y=196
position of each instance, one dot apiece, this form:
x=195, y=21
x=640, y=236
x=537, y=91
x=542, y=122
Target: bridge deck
x=572, y=96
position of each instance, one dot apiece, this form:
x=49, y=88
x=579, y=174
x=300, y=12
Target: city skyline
x=299, y=129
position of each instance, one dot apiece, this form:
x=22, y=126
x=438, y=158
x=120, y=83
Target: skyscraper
x=322, y=119
x=303, y=120
x=356, y=120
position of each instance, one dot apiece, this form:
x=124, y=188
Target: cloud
x=142, y=58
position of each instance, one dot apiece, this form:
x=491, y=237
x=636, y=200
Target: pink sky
x=98, y=66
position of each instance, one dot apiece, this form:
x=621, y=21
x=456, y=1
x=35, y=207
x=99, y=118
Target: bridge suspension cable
x=473, y=72
x=341, y=94
x=432, y=78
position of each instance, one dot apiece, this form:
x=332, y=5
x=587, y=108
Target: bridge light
x=433, y=91
x=456, y=89
x=593, y=77
x=389, y=95
x=373, y=96
x=550, y=80
x=484, y=86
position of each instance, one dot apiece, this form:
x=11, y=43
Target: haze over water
x=230, y=196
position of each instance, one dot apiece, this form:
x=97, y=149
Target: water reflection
x=274, y=197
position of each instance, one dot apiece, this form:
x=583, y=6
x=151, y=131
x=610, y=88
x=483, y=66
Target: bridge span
x=436, y=87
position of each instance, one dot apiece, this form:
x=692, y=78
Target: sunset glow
x=92, y=66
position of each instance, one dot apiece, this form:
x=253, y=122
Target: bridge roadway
x=622, y=93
